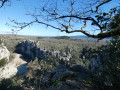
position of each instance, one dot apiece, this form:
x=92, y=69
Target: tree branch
x=99, y=36
x=106, y=1
x=3, y=2
x=48, y=25
x=67, y=20
x=80, y=18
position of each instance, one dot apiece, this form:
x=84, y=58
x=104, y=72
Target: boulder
x=62, y=78
x=59, y=74
x=7, y=71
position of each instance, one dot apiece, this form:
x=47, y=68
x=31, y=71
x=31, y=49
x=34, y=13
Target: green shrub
x=14, y=83
x=3, y=62
x=56, y=82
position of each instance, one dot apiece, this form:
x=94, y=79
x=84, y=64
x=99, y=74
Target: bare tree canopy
x=77, y=16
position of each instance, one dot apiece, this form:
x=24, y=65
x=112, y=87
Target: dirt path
x=12, y=67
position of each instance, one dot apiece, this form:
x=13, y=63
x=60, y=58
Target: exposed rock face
x=95, y=65
x=8, y=71
x=4, y=53
x=11, y=68
x=62, y=78
x=30, y=49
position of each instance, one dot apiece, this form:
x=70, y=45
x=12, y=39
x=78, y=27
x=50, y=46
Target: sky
x=16, y=10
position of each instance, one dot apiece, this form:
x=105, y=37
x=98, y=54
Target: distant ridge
x=73, y=37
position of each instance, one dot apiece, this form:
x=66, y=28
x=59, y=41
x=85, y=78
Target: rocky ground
x=12, y=67
x=63, y=78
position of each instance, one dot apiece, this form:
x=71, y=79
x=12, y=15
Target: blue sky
x=17, y=11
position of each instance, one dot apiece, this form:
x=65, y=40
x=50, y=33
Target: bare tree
x=76, y=16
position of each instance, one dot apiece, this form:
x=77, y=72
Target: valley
x=42, y=63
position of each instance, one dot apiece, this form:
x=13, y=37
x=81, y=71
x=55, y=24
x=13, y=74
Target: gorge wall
x=30, y=49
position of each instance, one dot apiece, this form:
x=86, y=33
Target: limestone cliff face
x=30, y=49
x=13, y=67
x=95, y=65
x=4, y=53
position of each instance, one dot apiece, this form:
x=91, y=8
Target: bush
x=110, y=58
x=11, y=84
x=3, y=62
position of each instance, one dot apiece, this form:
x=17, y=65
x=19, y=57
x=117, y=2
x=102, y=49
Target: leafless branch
x=82, y=18
x=104, y=2
x=85, y=24
x=3, y=2
x=99, y=36
x=70, y=19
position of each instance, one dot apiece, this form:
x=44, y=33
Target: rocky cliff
x=4, y=53
x=95, y=65
x=4, y=58
x=8, y=68
x=30, y=49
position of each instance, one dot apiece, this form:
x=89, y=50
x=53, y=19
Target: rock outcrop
x=7, y=71
x=62, y=78
x=30, y=49
x=95, y=65
x=4, y=53
x=11, y=68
